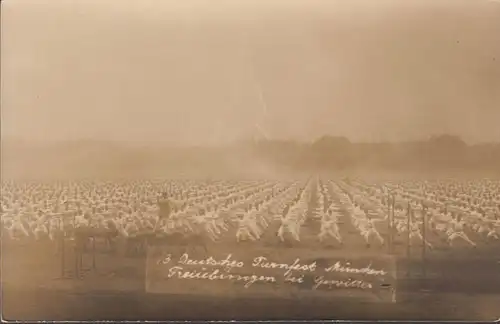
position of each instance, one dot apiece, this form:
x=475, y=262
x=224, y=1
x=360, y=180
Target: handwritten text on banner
x=239, y=274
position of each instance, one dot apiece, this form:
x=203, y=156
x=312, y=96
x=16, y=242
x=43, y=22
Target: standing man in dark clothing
x=165, y=209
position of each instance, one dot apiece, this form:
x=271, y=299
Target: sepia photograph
x=168, y=160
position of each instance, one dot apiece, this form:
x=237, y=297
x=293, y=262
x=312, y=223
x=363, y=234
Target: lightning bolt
x=261, y=131
x=264, y=109
x=262, y=100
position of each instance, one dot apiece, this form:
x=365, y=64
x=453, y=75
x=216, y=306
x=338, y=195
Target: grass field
x=459, y=283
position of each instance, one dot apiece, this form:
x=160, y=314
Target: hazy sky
x=189, y=71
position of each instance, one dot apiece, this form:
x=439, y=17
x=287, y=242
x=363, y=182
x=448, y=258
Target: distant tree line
x=339, y=153
x=328, y=153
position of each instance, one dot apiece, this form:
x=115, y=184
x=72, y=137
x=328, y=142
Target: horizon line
x=249, y=140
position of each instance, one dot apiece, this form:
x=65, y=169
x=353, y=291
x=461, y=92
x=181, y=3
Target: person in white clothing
x=368, y=230
x=288, y=225
x=415, y=232
x=243, y=232
x=329, y=227
x=456, y=231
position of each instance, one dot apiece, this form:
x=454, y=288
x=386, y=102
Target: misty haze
x=279, y=159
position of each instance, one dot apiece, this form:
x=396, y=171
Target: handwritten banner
x=281, y=273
